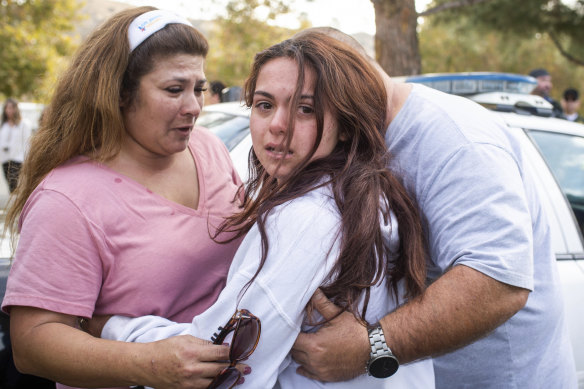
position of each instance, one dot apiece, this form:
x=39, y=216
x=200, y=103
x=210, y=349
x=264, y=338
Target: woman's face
x=160, y=120
x=10, y=110
x=274, y=90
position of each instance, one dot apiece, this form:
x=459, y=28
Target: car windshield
x=230, y=128
x=564, y=154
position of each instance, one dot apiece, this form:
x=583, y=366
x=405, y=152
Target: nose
x=192, y=105
x=279, y=122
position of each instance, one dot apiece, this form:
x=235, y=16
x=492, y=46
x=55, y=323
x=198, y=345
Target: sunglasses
x=246, y=330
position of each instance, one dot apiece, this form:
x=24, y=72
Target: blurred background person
x=14, y=135
x=571, y=104
x=215, y=92
x=544, y=87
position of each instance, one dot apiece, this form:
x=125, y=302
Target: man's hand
x=339, y=351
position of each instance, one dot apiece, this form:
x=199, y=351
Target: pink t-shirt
x=94, y=241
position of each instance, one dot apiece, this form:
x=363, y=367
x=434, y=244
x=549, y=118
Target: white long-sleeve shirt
x=14, y=141
x=304, y=242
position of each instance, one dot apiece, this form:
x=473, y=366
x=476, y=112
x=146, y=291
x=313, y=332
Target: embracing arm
x=47, y=344
x=460, y=307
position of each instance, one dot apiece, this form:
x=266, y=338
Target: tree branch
x=567, y=55
x=450, y=5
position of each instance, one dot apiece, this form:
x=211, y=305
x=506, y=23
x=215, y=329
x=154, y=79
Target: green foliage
x=560, y=20
x=453, y=46
x=247, y=29
x=33, y=44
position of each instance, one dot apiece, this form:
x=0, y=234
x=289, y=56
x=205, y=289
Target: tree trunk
x=396, y=38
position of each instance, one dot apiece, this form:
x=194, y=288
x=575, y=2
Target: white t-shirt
x=301, y=234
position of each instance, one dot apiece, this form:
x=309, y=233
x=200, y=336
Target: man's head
x=570, y=101
x=544, y=82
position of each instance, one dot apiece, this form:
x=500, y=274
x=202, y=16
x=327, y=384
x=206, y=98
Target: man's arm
x=47, y=344
x=457, y=309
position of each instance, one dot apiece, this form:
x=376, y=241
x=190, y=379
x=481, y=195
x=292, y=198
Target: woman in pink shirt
x=117, y=209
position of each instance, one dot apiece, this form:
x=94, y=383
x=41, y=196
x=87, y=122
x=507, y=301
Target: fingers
x=209, y=352
x=323, y=305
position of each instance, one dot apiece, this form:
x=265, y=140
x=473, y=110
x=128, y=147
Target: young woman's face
x=274, y=90
x=160, y=120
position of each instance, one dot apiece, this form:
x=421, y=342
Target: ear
x=343, y=137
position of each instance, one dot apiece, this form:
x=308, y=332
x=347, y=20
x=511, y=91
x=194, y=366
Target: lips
x=278, y=151
x=185, y=128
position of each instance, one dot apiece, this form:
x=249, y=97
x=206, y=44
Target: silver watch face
x=383, y=366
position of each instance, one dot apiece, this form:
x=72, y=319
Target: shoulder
x=83, y=182
x=314, y=210
x=433, y=120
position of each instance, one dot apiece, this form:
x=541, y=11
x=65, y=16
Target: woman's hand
x=187, y=362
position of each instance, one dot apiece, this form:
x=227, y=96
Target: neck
x=397, y=94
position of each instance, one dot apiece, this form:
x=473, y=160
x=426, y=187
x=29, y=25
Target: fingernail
x=247, y=370
x=240, y=381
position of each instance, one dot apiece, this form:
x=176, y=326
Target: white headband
x=150, y=22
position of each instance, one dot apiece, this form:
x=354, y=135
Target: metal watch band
x=377, y=342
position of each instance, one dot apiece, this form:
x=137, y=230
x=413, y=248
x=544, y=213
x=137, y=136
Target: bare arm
x=47, y=344
x=460, y=307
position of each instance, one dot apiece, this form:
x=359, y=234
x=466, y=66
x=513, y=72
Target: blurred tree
x=396, y=42
x=33, y=40
x=396, y=39
x=454, y=47
x=247, y=28
x=560, y=20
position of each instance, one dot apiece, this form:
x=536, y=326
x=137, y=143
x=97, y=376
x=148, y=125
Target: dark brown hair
x=364, y=189
x=84, y=116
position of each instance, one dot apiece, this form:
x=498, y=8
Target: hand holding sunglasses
x=246, y=330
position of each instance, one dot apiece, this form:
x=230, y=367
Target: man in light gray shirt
x=493, y=314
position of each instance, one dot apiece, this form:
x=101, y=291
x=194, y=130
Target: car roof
x=234, y=108
x=541, y=123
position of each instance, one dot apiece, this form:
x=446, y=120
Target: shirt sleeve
x=303, y=241
x=485, y=223
x=56, y=248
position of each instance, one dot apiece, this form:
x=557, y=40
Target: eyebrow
x=270, y=96
x=183, y=80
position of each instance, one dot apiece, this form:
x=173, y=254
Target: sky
x=350, y=16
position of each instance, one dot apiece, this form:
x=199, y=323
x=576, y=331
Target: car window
x=564, y=154
x=230, y=128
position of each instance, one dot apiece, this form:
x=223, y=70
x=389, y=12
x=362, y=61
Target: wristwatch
x=382, y=363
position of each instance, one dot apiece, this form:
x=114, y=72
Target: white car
x=555, y=151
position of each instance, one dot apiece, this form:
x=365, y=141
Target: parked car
x=555, y=152
x=31, y=112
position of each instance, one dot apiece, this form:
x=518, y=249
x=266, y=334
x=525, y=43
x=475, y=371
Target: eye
x=200, y=89
x=263, y=105
x=306, y=110
x=174, y=89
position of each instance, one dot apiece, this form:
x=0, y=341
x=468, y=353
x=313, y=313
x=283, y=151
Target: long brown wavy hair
x=364, y=189
x=84, y=116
